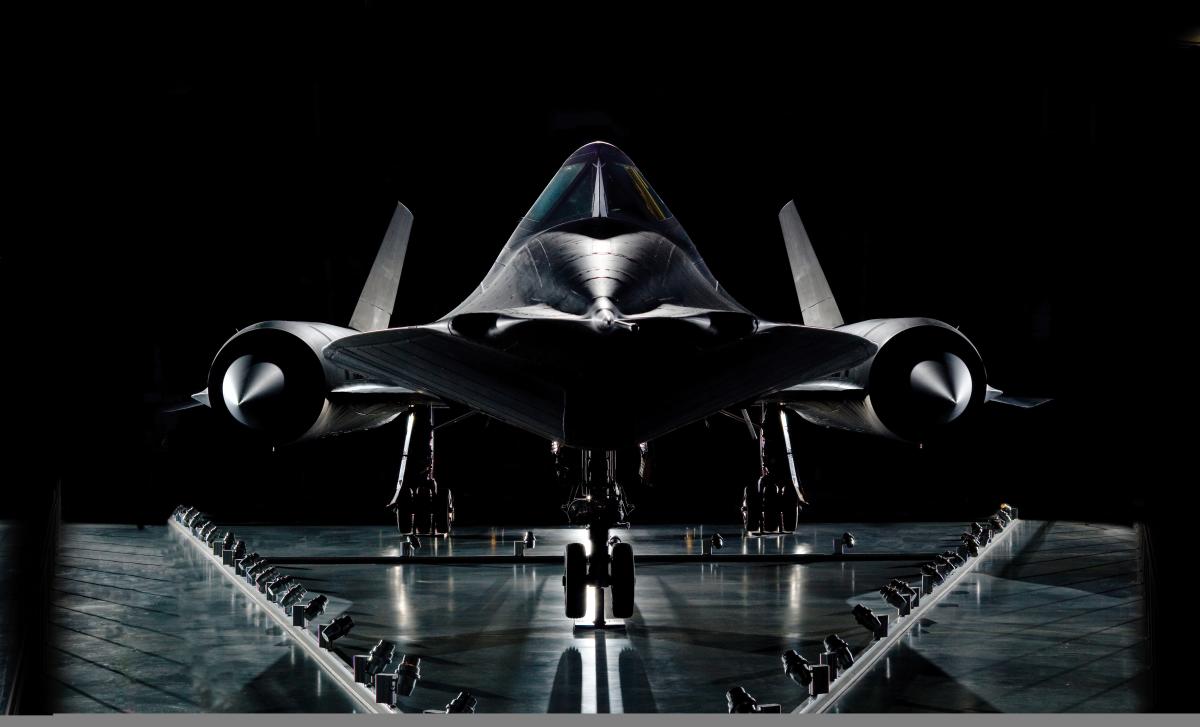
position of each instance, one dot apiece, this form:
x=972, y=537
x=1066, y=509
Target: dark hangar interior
x=1025, y=181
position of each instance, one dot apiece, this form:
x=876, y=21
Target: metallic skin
x=599, y=326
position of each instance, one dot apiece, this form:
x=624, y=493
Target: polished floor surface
x=917, y=537
x=140, y=622
x=145, y=624
x=1058, y=627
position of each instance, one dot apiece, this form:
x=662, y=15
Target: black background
x=1016, y=179
x=1027, y=179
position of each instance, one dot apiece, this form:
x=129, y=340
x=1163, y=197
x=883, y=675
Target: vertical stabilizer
x=374, y=309
x=817, y=305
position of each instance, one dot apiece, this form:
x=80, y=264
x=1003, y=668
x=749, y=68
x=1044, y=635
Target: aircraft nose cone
x=604, y=319
x=250, y=388
x=944, y=384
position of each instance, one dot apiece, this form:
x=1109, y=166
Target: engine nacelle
x=272, y=378
x=925, y=375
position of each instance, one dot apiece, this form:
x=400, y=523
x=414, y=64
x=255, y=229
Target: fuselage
x=599, y=325
x=598, y=242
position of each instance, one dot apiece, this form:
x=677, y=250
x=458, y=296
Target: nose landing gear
x=599, y=503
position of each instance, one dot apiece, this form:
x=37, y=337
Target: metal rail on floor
x=900, y=626
x=334, y=666
x=558, y=559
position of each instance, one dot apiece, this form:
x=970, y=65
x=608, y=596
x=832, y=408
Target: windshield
x=629, y=194
x=574, y=192
x=568, y=196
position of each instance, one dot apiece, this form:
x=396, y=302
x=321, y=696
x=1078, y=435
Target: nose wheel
x=612, y=569
x=575, y=580
x=598, y=502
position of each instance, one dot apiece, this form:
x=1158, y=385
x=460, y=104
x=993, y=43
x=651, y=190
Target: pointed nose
x=944, y=385
x=251, y=389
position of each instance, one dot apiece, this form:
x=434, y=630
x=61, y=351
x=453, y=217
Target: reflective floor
x=1057, y=627
x=140, y=622
x=809, y=538
x=145, y=624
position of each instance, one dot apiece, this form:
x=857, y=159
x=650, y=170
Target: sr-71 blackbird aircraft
x=600, y=328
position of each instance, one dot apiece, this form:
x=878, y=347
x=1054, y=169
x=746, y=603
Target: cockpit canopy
x=598, y=180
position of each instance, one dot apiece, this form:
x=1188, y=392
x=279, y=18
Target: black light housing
x=717, y=542
x=464, y=703
x=337, y=628
x=379, y=658
x=797, y=668
x=294, y=594
x=261, y=578
x=902, y=587
x=971, y=544
x=893, y=598
x=530, y=541
x=953, y=557
x=407, y=675
x=834, y=644
x=414, y=541
x=613, y=541
x=739, y=701
x=930, y=570
x=867, y=618
x=255, y=568
x=279, y=584
x=239, y=550
x=943, y=564
x=227, y=541
x=315, y=607
x=848, y=540
x=976, y=530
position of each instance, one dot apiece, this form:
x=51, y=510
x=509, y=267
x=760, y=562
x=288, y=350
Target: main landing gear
x=599, y=503
x=773, y=504
x=422, y=505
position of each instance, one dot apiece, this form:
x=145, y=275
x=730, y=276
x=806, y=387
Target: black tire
x=622, y=578
x=424, y=507
x=791, y=517
x=443, y=510
x=791, y=508
x=404, y=511
x=751, y=509
x=771, y=518
x=575, y=580
x=769, y=496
